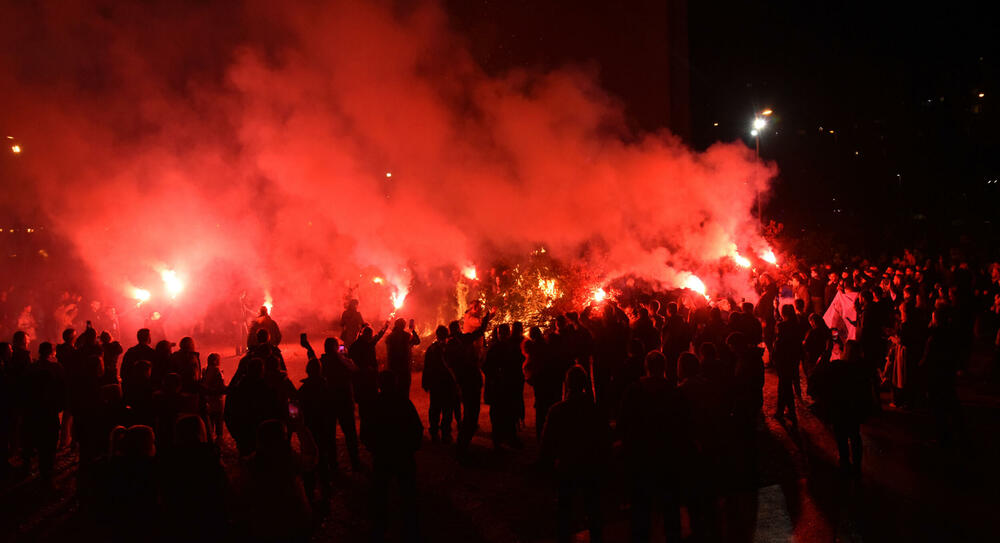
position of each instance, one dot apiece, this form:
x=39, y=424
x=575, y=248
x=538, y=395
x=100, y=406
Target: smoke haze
x=247, y=145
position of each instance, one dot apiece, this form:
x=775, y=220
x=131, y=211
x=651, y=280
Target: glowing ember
x=695, y=284
x=470, y=273
x=268, y=302
x=768, y=256
x=548, y=287
x=172, y=283
x=378, y=280
x=141, y=295
x=600, y=295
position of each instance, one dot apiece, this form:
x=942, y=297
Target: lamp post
x=759, y=122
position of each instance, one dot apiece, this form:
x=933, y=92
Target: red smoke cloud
x=246, y=146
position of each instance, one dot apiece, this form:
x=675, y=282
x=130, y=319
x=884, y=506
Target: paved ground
x=912, y=490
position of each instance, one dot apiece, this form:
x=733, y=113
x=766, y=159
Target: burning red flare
x=768, y=256
x=140, y=295
x=470, y=273
x=695, y=284
x=172, y=283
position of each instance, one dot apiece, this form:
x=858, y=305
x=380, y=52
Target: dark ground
x=912, y=489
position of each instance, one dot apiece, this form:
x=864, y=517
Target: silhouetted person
x=6, y=409
x=130, y=488
x=317, y=414
x=644, y=329
x=213, y=388
x=140, y=351
x=543, y=374
x=186, y=363
x=440, y=384
x=940, y=364
x=273, y=497
x=747, y=402
x=817, y=345
x=787, y=354
x=362, y=352
x=399, y=353
x=351, y=323
x=652, y=424
x=676, y=334
x=112, y=351
x=16, y=367
x=842, y=392
x=248, y=403
x=262, y=349
x=45, y=396
x=502, y=369
x=264, y=322
x=460, y=355
x=161, y=362
x=396, y=436
x=169, y=403
x=577, y=442
x=340, y=373
x=138, y=397
x=193, y=485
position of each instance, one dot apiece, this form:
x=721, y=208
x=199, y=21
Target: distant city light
x=759, y=123
x=767, y=112
x=982, y=95
x=754, y=133
x=388, y=175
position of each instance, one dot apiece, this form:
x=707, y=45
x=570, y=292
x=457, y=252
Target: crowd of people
x=680, y=387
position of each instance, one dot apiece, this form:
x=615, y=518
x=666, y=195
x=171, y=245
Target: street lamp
x=759, y=122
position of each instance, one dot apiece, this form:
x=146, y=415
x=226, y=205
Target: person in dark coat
x=45, y=396
x=248, y=403
x=351, y=323
x=193, y=485
x=577, y=442
x=112, y=351
x=504, y=376
x=339, y=371
x=541, y=370
x=817, y=346
x=440, y=384
x=264, y=322
x=461, y=357
x=842, y=393
x=652, y=424
x=140, y=351
x=787, y=354
x=941, y=367
x=362, y=352
x=186, y=363
x=396, y=437
x=399, y=353
x=313, y=400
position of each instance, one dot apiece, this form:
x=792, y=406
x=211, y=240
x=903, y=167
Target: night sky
x=913, y=146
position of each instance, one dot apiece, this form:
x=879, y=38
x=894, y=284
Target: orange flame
x=600, y=295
